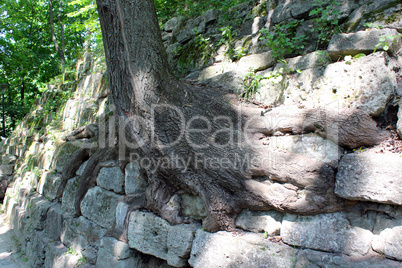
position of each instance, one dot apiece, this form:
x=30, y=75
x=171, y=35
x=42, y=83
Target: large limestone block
x=370, y=176
x=326, y=232
x=55, y=222
x=114, y=253
x=111, y=178
x=310, y=145
x=49, y=184
x=68, y=198
x=223, y=249
x=37, y=208
x=99, y=205
x=388, y=242
x=255, y=62
x=153, y=235
x=362, y=42
x=367, y=84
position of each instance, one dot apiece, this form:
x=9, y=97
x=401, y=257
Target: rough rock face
x=370, y=176
x=153, y=235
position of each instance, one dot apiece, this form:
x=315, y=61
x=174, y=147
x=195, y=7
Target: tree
x=202, y=141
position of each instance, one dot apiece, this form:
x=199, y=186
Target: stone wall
x=366, y=234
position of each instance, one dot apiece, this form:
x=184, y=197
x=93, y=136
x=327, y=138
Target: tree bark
x=59, y=50
x=209, y=143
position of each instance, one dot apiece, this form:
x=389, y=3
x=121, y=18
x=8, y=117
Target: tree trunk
x=200, y=140
x=54, y=38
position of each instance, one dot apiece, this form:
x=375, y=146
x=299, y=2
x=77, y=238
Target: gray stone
x=282, y=12
x=57, y=256
x=211, y=16
x=153, y=235
x=370, y=176
x=255, y=62
x=49, y=184
x=312, y=60
x=326, y=232
x=171, y=24
x=111, y=178
x=171, y=50
x=91, y=231
x=73, y=240
x=6, y=170
x=68, y=198
x=107, y=260
x=118, y=249
x=8, y=159
x=312, y=258
x=37, y=209
x=388, y=242
x=193, y=207
x=310, y=145
x=223, y=249
x=134, y=181
x=121, y=212
x=367, y=84
x=362, y=42
x=99, y=206
x=179, y=242
x=148, y=233
x=55, y=222
x=269, y=222
x=185, y=35
x=90, y=254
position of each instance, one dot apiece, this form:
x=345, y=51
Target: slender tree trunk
x=59, y=50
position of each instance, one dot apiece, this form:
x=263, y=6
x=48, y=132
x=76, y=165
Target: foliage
x=28, y=58
x=386, y=41
x=251, y=85
x=283, y=40
x=326, y=16
x=167, y=9
x=197, y=50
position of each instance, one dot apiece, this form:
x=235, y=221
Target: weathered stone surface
x=37, y=209
x=82, y=168
x=48, y=185
x=57, y=256
x=111, y=178
x=99, y=206
x=361, y=42
x=256, y=62
x=211, y=15
x=134, y=181
x=6, y=170
x=312, y=60
x=88, y=229
x=153, y=235
x=62, y=155
x=148, y=233
x=310, y=145
x=70, y=238
x=367, y=84
x=193, y=207
x=312, y=258
x=326, y=232
x=370, y=176
x=171, y=24
x=55, y=222
x=118, y=249
x=68, y=198
x=223, y=249
x=121, y=212
x=179, y=242
x=388, y=242
x=269, y=222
